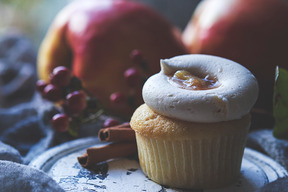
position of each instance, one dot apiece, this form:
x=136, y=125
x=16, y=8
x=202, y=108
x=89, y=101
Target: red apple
x=95, y=39
x=251, y=32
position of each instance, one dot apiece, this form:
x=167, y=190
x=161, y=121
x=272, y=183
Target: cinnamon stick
x=124, y=144
x=115, y=150
x=117, y=133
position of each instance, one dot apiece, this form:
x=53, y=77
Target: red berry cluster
x=76, y=106
x=134, y=78
x=68, y=92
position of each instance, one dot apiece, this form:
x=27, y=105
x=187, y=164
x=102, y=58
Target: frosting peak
x=232, y=97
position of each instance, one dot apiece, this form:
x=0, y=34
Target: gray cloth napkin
x=24, y=128
x=265, y=142
x=9, y=153
x=279, y=185
x=17, y=70
x=24, y=116
x=15, y=177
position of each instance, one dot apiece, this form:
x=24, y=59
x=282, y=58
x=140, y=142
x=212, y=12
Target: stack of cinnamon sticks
x=123, y=145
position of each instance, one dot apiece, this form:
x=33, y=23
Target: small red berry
x=60, y=76
x=40, y=86
x=52, y=93
x=60, y=122
x=136, y=56
x=110, y=122
x=76, y=102
x=117, y=98
x=133, y=77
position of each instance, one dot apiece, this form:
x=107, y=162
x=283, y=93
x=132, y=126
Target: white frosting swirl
x=234, y=98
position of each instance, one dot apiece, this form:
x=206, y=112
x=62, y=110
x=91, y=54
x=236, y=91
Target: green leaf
x=20, y=4
x=74, y=127
x=280, y=104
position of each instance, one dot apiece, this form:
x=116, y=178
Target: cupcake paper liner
x=192, y=163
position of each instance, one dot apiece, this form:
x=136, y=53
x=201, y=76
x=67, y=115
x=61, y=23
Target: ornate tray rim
x=47, y=159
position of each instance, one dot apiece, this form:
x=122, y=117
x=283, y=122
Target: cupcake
x=192, y=129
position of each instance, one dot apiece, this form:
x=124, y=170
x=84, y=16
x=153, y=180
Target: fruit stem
x=93, y=117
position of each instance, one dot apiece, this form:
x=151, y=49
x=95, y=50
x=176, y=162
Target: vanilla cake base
x=189, y=155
